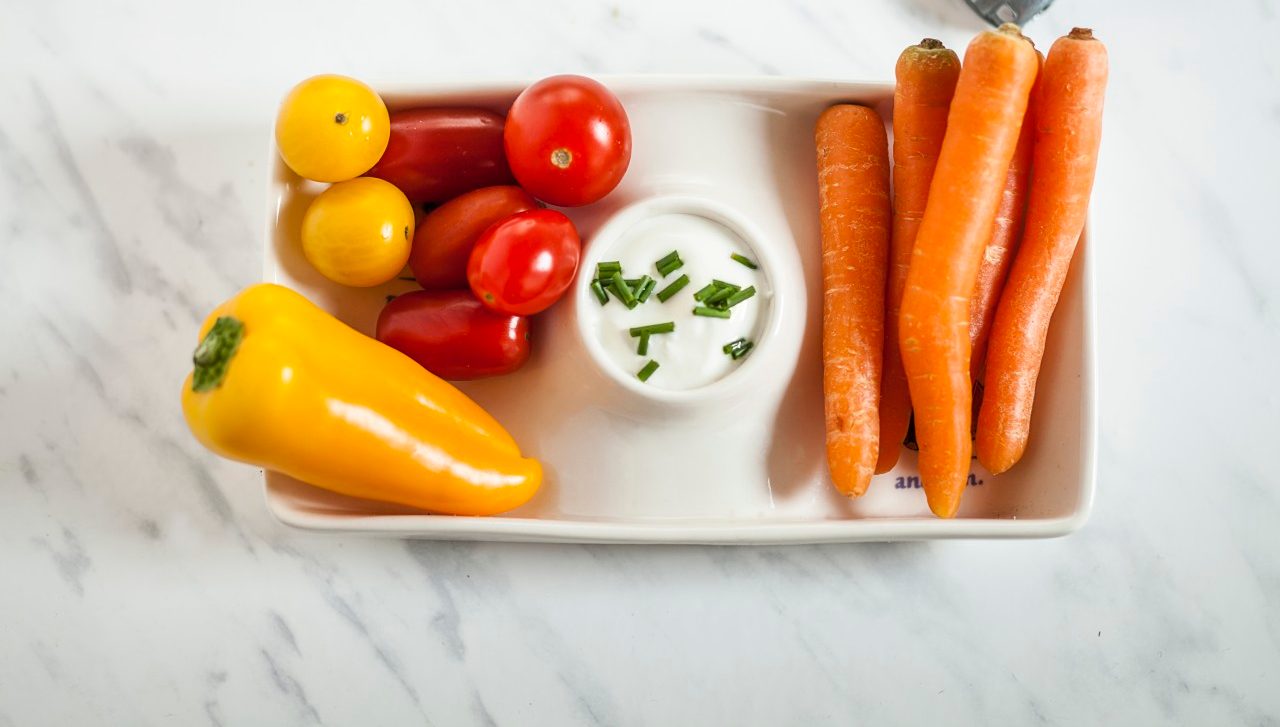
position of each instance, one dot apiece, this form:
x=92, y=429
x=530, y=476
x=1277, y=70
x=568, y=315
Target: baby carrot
x=982, y=131
x=1065, y=156
x=998, y=255
x=926, y=75
x=854, y=209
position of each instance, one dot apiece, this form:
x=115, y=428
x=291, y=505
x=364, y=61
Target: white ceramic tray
x=744, y=464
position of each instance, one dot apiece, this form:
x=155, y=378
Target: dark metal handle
x=1008, y=11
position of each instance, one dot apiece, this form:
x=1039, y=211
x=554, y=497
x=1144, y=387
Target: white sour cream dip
x=692, y=356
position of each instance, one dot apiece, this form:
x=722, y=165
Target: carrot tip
x=1010, y=29
x=945, y=508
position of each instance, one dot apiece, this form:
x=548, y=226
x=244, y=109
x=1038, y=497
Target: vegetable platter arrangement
x=675, y=309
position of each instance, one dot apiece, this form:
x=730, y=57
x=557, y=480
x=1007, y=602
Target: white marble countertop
x=144, y=582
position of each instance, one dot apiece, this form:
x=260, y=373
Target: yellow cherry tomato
x=359, y=232
x=332, y=128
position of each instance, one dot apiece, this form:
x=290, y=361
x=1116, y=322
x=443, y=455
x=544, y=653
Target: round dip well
x=691, y=357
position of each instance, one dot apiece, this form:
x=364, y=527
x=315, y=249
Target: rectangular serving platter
x=753, y=470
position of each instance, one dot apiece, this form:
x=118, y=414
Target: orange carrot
x=926, y=75
x=982, y=131
x=853, y=196
x=1065, y=156
x=998, y=255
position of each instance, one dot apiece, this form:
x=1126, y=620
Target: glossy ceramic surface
x=741, y=460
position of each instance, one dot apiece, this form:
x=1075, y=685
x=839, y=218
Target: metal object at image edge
x=1008, y=11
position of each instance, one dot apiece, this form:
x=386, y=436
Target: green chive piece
x=744, y=260
x=722, y=284
x=623, y=290
x=706, y=291
x=598, y=289
x=669, y=263
x=710, y=312
x=737, y=349
x=648, y=370
x=652, y=328
x=719, y=295
x=643, y=348
x=606, y=269
x=637, y=285
x=676, y=286
x=670, y=268
x=740, y=296
x=647, y=290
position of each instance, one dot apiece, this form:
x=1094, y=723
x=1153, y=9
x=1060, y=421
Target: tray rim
x=696, y=532
x=704, y=532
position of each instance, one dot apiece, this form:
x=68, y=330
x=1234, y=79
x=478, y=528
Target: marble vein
x=290, y=687
x=69, y=557
x=108, y=246
x=384, y=657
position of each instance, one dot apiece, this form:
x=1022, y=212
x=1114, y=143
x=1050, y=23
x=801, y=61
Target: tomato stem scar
x=561, y=158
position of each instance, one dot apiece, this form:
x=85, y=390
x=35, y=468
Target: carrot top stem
x=931, y=44
x=1081, y=34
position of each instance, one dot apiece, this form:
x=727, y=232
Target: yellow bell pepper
x=283, y=385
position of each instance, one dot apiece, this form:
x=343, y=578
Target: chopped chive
x=669, y=263
x=637, y=284
x=667, y=327
x=669, y=268
x=648, y=370
x=719, y=295
x=740, y=296
x=676, y=286
x=722, y=284
x=598, y=289
x=623, y=290
x=647, y=290
x=706, y=291
x=605, y=269
x=710, y=312
x=643, y=348
x=744, y=260
x=737, y=349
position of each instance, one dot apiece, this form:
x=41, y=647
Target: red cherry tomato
x=568, y=140
x=437, y=154
x=524, y=263
x=443, y=241
x=453, y=336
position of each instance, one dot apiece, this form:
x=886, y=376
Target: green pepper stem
x=213, y=356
